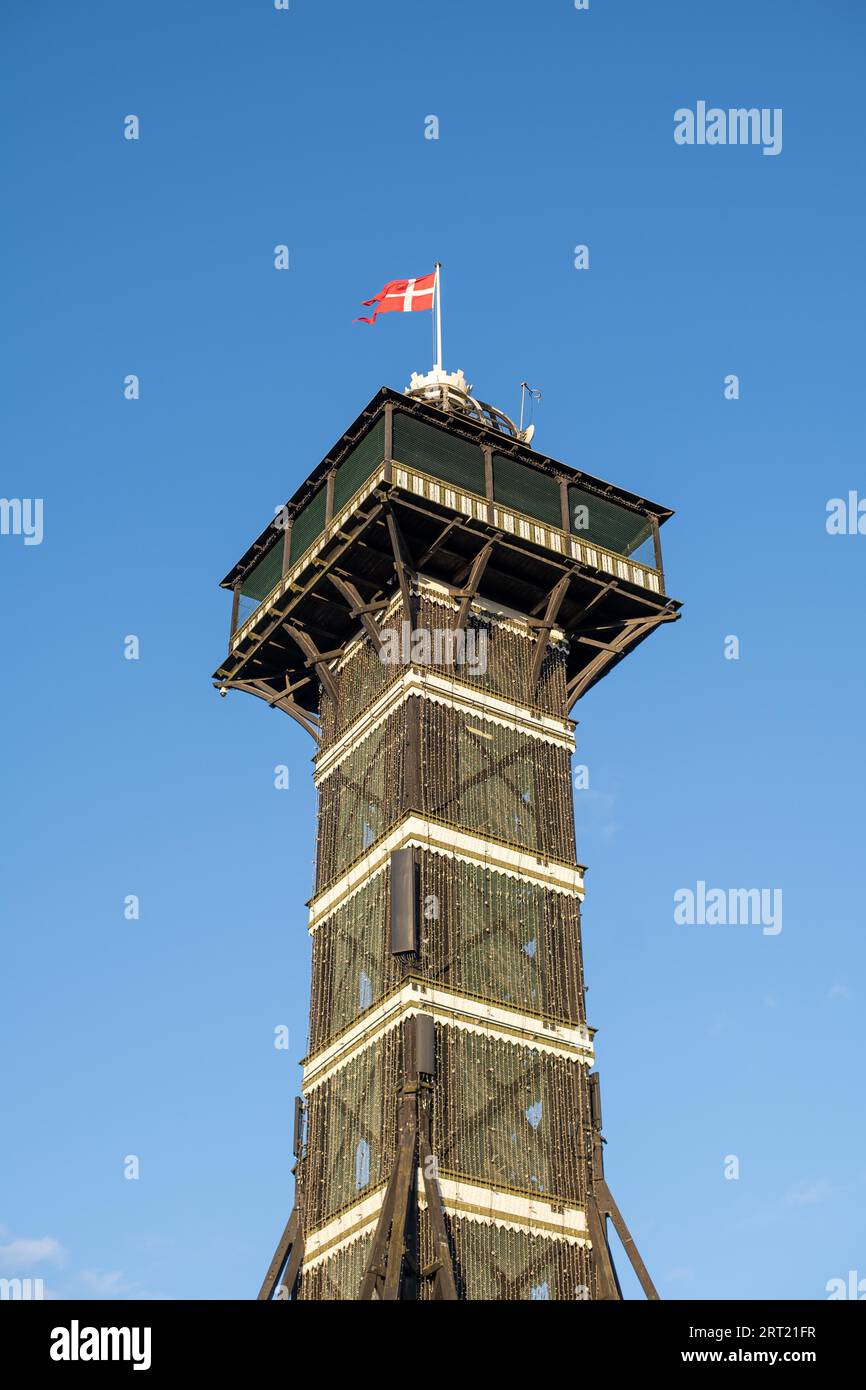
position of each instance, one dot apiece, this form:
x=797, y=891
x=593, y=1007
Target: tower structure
x=429, y=606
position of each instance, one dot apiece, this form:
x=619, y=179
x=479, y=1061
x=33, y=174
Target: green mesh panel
x=505, y=1115
x=496, y=781
x=352, y=962
x=480, y=777
x=527, y=490
x=495, y=785
x=361, y=462
x=509, y=1116
x=361, y=799
x=501, y=927
x=308, y=525
x=504, y=1135
x=489, y=934
x=338, y=1278
x=501, y=938
x=608, y=524
x=509, y=671
x=263, y=577
x=493, y=935
x=497, y=1264
x=350, y=1130
x=436, y=452
x=492, y=1263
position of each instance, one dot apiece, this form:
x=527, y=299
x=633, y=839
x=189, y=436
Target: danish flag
x=402, y=296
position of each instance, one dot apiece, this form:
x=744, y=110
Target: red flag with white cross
x=402, y=297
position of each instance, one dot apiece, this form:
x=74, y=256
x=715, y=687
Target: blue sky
x=155, y=257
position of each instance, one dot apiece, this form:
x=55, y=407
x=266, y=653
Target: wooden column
x=236, y=601
x=389, y=440
x=563, y=505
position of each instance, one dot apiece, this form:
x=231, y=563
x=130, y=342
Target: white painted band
x=444, y=839
x=456, y=694
x=470, y=1201
x=455, y=1010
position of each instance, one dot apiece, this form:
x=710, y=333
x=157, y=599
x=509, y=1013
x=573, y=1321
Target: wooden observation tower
x=429, y=606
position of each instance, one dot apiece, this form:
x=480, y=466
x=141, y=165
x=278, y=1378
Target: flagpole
x=438, y=366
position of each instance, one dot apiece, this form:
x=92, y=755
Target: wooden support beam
x=607, y=1283
x=402, y=563
x=296, y=685
x=470, y=591
x=593, y=602
x=554, y=603
x=392, y=1265
x=289, y=1247
x=633, y=630
x=293, y=1267
x=358, y=608
x=405, y=1171
x=600, y=1206
x=374, y=1275
x=373, y=607
x=442, y=1270
x=385, y=1262
x=274, y=698
x=277, y=700
x=609, y=1208
x=315, y=658
x=454, y=525
x=330, y=655
x=585, y=640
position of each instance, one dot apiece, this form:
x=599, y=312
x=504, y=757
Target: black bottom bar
x=245, y=1338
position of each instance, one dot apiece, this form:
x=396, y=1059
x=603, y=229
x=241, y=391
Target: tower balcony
x=412, y=489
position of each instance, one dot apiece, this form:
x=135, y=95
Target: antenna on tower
x=534, y=395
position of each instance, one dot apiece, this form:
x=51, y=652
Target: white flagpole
x=438, y=366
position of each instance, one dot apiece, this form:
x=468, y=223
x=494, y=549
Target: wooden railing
x=470, y=504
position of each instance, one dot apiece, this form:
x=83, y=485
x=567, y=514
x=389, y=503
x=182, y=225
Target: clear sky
x=305, y=127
